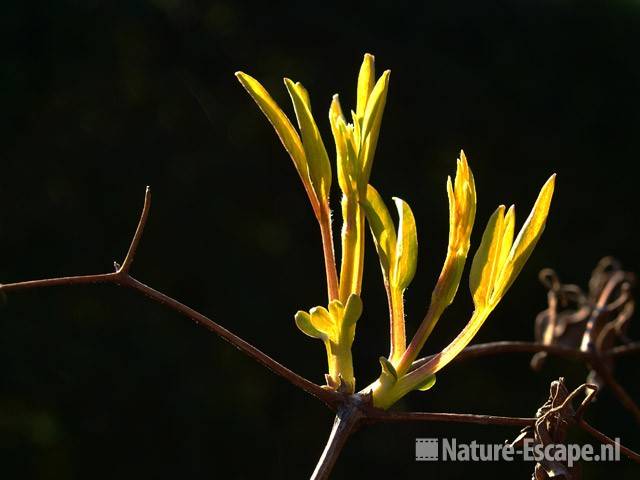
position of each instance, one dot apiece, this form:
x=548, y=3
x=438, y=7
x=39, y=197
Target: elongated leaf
x=466, y=195
x=486, y=259
x=528, y=237
x=376, y=104
x=357, y=132
x=339, y=131
x=366, y=81
x=316, y=154
x=371, y=126
x=508, y=231
x=382, y=228
x=283, y=127
x=406, y=246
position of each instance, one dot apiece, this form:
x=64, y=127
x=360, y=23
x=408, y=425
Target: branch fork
x=352, y=410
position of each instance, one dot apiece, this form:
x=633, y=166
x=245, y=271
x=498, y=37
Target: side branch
x=121, y=277
x=497, y=348
x=606, y=440
x=377, y=415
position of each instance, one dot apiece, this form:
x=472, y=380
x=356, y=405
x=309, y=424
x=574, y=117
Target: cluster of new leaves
x=497, y=262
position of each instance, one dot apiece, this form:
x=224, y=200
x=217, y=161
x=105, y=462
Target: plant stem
x=347, y=419
x=352, y=240
x=324, y=219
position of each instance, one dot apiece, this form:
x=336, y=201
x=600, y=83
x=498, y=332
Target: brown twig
x=121, y=277
x=347, y=420
x=497, y=348
x=621, y=350
x=618, y=390
x=377, y=415
x=605, y=439
x=352, y=410
x=589, y=345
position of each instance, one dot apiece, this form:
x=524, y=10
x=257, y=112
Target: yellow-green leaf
x=283, y=127
x=357, y=130
x=371, y=125
x=345, y=155
x=303, y=321
x=427, y=384
x=316, y=154
x=376, y=104
x=528, y=237
x=382, y=228
x=322, y=321
x=487, y=258
x=351, y=314
x=389, y=373
x=366, y=80
x=406, y=246
x=352, y=310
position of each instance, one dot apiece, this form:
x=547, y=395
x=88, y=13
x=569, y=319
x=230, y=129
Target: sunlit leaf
x=316, y=154
x=427, y=384
x=528, y=237
x=283, y=127
x=406, y=246
x=382, y=228
x=303, y=321
x=486, y=260
x=366, y=81
x=371, y=125
x=388, y=370
x=322, y=320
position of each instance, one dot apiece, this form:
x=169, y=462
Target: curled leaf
x=389, y=373
x=303, y=322
x=427, y=384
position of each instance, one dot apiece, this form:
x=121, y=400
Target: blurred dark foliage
x=100, y=98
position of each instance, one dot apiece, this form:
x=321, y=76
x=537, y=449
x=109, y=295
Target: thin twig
x=620, y=350
x=121, y=277
x=351, y=410
x=377, y=415
x=497, y=348
x=329, y=397
x=605, y=439
x=618, y=390
x=135, y=241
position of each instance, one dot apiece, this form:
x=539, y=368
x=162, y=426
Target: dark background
x=100, y=98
